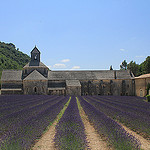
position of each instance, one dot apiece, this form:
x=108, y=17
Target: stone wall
x=56, y=91
x=141, y=86
x=73, y=90
x=56, y=84
x=107, y=87
x=11, y=87
x=35, y=87
x=11, y=92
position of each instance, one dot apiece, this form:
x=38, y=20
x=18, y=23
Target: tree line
x=137, y=69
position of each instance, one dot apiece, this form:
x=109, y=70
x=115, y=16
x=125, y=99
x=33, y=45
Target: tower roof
x=35, y=64
x=35, y=50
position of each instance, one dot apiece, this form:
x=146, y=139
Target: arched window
x=141, y=93
x=35, y=57
x=35, y=90
x=43, y=89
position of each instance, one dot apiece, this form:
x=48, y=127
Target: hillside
x=10, y=58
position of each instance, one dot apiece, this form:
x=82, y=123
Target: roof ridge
x=35, y=49
x=35, y=75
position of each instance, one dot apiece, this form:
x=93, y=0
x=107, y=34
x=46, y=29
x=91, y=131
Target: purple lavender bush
x=70, y=129
x=130, y=111
x=31, y=123
x=104, y=125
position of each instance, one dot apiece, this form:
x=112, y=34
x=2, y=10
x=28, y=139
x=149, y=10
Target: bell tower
x=35, y=64
x=35, y=55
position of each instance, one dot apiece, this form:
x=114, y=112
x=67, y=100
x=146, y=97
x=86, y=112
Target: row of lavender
x=10, y=104
x=24, y=118
x=105, y=126
x=131, y=111
x=70, y=129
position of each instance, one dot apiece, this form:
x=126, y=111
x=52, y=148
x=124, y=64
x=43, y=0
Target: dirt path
x=145, y=144
x=94, y=140
x=46, y=142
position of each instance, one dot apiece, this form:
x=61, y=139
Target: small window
x=43, y=89
x=141, y=93
x=35, y=57
x=35, y=90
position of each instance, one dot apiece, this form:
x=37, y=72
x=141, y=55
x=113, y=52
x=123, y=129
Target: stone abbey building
x=36, y=78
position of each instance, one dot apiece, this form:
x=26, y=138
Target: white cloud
x=65, y=60
x=75, y=67
x=122, y=49
x=59, y=66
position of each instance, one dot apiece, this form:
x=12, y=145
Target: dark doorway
x=35, y=90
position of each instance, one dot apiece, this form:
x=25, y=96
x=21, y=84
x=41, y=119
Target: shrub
x=148, y=98
x=148, y=88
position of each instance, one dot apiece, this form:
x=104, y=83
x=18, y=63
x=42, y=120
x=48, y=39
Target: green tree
x=134, y=68
x=111, y=68
x=123, y=65
x=144, y=67
x=147, y=65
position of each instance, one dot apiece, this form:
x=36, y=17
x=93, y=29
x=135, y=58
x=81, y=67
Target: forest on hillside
x=11, y=57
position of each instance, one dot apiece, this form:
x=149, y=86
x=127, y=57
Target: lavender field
x=131, y=111
x=24, y=118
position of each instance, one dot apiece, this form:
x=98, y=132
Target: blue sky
x=78, y=34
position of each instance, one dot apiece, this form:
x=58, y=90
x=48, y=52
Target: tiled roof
x=73, y=83
x=35, y=75
x=89, y=75
x=35, y=64
x=124, y=74
x=11, y=75
x=143, y=76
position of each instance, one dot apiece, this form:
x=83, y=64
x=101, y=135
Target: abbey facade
x=36, y=78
